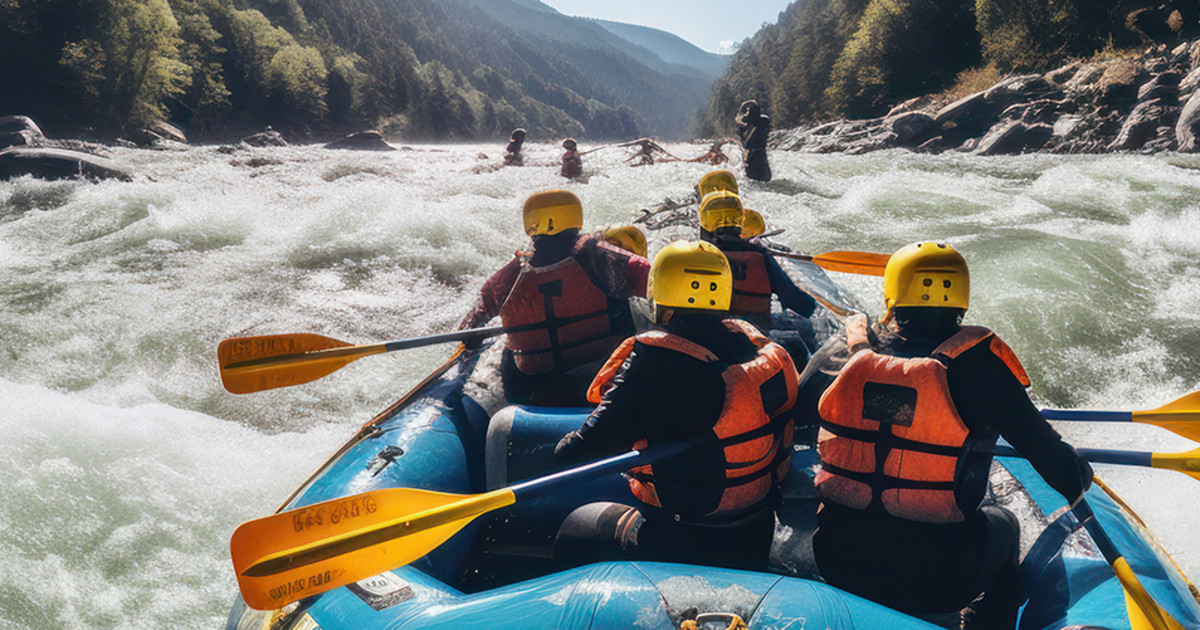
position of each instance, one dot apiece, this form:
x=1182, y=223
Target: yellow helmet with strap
x=721, y=179
x=752, y=223
x=926, y=274
x=691, y=274
x=628, y=238
x=720, y=209
x=551, y=212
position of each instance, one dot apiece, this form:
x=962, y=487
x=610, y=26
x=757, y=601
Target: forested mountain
x=669, y=47
x=424, y=69
x=856, y=58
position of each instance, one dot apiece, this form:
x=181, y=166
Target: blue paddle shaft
x=544, y=485
x=1096, y=456
x=1083, y=415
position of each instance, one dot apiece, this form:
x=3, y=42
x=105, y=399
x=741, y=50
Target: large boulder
x=1188, y=125
x=362, y=141
x=266, y=138
x=23, y=138
x=1120, y=82
x=910, y=129
x=18, y=123
x=57, y=164
x=1014, y=137
x=1142, y=125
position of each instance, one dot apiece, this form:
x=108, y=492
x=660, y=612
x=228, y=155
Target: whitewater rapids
x=125, y=466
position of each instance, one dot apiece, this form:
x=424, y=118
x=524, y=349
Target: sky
x=709, y=24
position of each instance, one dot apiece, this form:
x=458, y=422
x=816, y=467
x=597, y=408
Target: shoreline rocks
x=1146, y=103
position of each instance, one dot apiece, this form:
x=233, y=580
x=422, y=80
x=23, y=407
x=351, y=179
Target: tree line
x=427, y=69
x=827, y=59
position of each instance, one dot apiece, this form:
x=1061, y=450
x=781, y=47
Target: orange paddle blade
x=862, y=263
x=254, y=364
x=1180, y=416
x=307, y=551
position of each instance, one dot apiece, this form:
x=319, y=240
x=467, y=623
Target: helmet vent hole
x=712, y=302
x=691, y=300
x=712, y=286
x=925, y=297
x=927, y=282
x=945, y=298
x=946, y=283
x=695, y=284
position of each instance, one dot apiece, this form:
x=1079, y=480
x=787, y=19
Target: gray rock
x=1189, y=124
x=362, y=140
x=1020, y=88
x=1014, y=137
x=1189, y=82
x=1140, y=126
x=57, y=164
x=22, y=138
x=169, y=132
x=17, y=123
x=1067, y=126
x=266, y=138
x=910, y=129
x=1061, y=76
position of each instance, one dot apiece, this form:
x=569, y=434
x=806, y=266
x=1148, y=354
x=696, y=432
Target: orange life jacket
x=755, y=426
x=891, y=436
x=751, y=284
x=576, y=312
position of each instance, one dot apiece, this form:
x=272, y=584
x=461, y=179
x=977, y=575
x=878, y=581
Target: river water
x=125, y=466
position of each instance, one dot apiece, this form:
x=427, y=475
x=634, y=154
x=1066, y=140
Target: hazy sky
x=712, y=25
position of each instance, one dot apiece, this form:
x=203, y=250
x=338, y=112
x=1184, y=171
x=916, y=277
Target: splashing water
x=125, y=466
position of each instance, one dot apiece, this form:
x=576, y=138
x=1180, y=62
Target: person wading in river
x=572, y=160
x=753, y=127
x=701, y=376
x=577, y=285
x=906, y=437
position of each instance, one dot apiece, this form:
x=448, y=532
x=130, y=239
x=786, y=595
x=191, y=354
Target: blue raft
x=498, y=571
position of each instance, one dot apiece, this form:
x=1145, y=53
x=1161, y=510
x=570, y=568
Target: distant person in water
x=572, y=161
x=512, y=152
x=753, y=127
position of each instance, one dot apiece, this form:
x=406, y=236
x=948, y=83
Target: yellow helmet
x=551, y=212
x=752, y=224
x=720, y=209
x=722, y=179
x=628, y=238
x=691, y=274
x=926, y=274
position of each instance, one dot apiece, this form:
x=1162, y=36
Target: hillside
x=420, y=69
x=670, y=48
x=828, y=59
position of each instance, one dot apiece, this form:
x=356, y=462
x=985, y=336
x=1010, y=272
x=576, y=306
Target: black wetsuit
x=753, y=127
x=781, y=285
x=662, y=396
x=924, y=568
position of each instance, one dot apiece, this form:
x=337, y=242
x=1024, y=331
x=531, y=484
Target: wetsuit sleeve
x=991, y=400
x=790, y=296
x=612, y=427
x=492, y=296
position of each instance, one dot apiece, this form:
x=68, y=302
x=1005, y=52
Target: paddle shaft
x=377, y=348
x=464, y=508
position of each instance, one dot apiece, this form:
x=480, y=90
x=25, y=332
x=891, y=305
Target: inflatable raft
x=498, y=572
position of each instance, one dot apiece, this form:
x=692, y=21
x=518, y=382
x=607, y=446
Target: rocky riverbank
x=1145, y=103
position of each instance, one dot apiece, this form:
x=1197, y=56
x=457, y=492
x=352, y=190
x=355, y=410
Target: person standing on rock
x=512, y=152
x=572, y=160
x=753, y=127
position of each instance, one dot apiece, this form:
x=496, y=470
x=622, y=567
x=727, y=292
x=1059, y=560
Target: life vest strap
x=895, y=441
x=886, y=482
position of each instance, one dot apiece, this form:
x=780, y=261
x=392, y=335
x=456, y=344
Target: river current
x=124, y=466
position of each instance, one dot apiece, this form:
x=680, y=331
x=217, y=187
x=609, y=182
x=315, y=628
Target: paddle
x=307, y=551
x=255, y=364
x=1157, y=618
x=1187, y=462
x=1181, y=416
x=863, y=263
